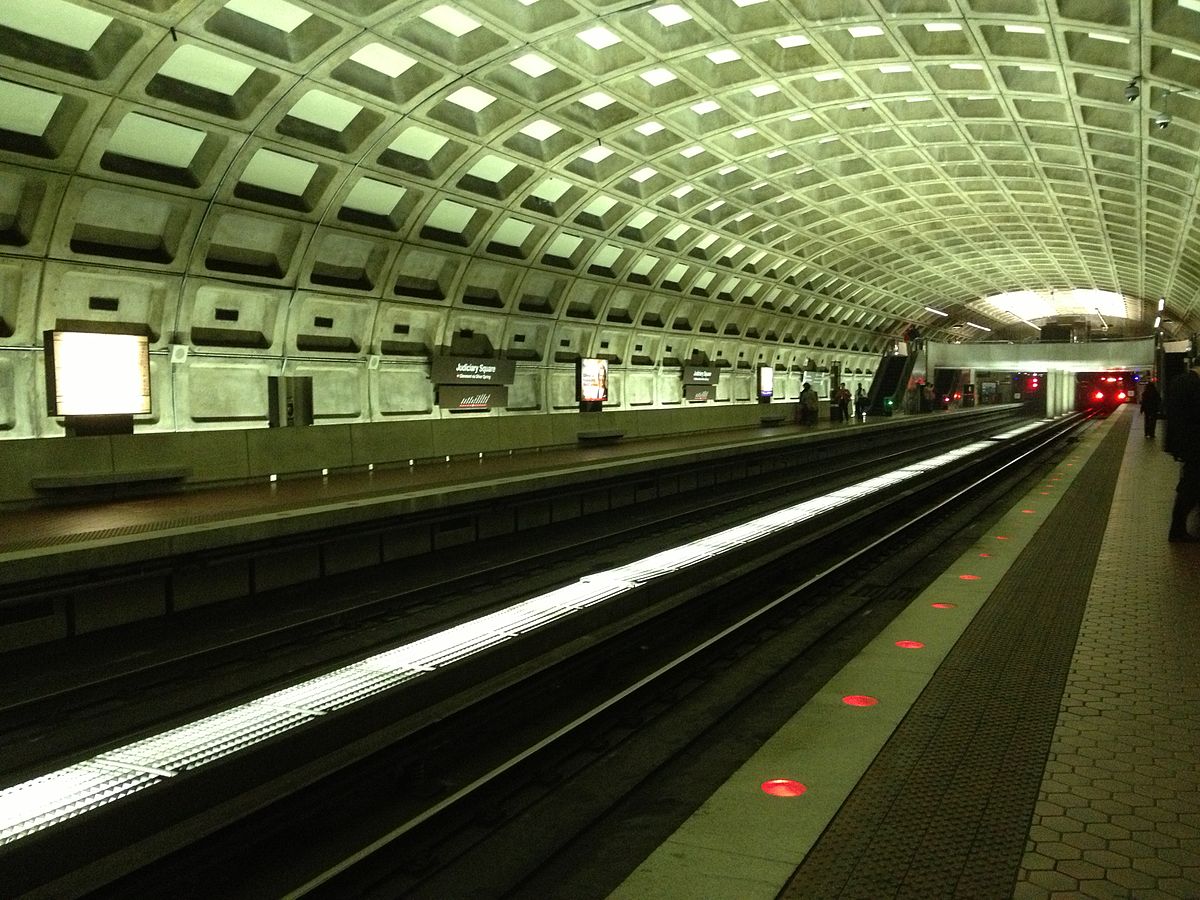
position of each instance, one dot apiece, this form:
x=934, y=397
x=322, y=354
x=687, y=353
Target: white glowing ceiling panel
x=384, y=60
x=279, y=172
x=325, y=110
x=55, y=20
x=26, y=110
x=277, y=14
x=156, y=141
x=206, y=69
x=374, y=197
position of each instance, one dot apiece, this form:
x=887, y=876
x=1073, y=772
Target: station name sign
x=465, y=370
x=701, y=375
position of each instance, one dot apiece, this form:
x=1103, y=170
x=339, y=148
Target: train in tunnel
x=1105, y=391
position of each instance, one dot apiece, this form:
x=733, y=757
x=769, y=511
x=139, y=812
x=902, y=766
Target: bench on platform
x=109, y=479
x=600, y=437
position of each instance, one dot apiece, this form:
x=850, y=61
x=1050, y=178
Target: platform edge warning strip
x=742, y=843
x=946, y=807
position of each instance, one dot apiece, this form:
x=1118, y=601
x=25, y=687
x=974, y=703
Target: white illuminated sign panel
x=593, y=380
x=93, y=374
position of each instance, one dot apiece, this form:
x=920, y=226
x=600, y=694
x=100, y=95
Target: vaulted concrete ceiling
x=854, y=162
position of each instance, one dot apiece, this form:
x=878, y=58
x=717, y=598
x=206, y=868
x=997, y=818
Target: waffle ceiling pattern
x=847, y=161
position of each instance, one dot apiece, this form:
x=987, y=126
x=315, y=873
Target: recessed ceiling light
x=828, y=76
x=277, y=14
x=596, y=154
x=765, y=90
x=597, y=100
x=689, y=152
x=1111, y=38
x=973, y=67
x=598, y=38
x=385, y=60
x=644, y=174
x=533, y=65
x=472, y=98
x=720, y=57
x=943, y=26
x=656, y=77
x=745, y=132
x=540, y=130
x=895, y=69
x=704, y=107
x=671, y=14
x=788, y=41
x=450, y=20
x=865, y=31
x=1024, y=29
x=649, y=128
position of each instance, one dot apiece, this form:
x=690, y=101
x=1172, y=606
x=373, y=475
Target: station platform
x=78, y=533
x=1029, y=727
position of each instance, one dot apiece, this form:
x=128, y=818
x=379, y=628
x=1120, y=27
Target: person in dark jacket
x=808, y=405
x=1183, y=442
x=1151, y=404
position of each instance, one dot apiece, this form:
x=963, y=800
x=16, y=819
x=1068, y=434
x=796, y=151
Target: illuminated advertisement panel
x=766, y=382
x=592, y=380
x=94, y=374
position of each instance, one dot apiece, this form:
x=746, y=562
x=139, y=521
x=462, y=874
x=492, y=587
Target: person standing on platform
x=843, y=402
x=808, y=405
x=1151, y=404
x=1183, y=442
x=860, y=404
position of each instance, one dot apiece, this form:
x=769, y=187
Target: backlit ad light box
x=95, y=374
x=592, y=380
x=766, y=382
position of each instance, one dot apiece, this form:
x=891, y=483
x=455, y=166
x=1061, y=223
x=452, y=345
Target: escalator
x=888, y=386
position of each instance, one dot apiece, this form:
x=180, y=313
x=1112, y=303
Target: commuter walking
x=1151, y=404
x=1183, y=442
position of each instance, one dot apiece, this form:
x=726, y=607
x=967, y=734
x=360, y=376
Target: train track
x=419, y=754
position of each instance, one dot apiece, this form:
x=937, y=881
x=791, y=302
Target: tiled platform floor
x=1117, y=814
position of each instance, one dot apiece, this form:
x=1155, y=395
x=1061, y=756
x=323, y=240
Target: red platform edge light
x=985, y=555
x=910, y=645
x=783, y=787
x=859, y=700
x=968, y=577
x=1002, y=537
x=944, y=605
x=1028, y=512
